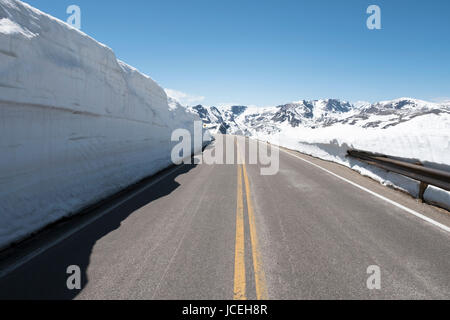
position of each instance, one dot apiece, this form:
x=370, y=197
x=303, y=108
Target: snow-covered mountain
x=223, y=120
x=391, y=113
x=316, y=114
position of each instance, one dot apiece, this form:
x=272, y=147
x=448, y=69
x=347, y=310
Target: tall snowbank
x=76, y=124
x=425, y=139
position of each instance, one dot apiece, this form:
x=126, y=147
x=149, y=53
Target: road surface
x=227, y=232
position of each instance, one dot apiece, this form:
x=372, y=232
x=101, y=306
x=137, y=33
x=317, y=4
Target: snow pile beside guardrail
x=425, y=139
x=76, y=124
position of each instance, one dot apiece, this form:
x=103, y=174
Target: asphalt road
x=228, y=232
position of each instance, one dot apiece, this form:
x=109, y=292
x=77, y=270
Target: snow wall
x=425, y=139
x=76, y=124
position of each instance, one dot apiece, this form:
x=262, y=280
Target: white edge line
x=15, y=265
x=398, y=205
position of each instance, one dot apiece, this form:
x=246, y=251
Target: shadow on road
x=45, y=277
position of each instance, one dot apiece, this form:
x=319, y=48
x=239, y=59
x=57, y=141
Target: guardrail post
x=416, y=171
x=423, y=187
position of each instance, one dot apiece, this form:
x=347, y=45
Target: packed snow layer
x=425, y=139
x=76, y=124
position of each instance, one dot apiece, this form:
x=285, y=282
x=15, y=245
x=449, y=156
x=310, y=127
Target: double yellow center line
x=239, y=256
x=239, y=269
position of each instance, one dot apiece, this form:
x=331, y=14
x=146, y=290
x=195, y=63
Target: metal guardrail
x=416, y=171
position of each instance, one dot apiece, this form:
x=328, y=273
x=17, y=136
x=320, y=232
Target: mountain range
x=242, y=120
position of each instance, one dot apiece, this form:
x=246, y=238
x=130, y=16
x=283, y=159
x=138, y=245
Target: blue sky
x=269, y=52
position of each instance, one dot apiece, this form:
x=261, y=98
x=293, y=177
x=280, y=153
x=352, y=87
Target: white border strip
x=398, y=205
